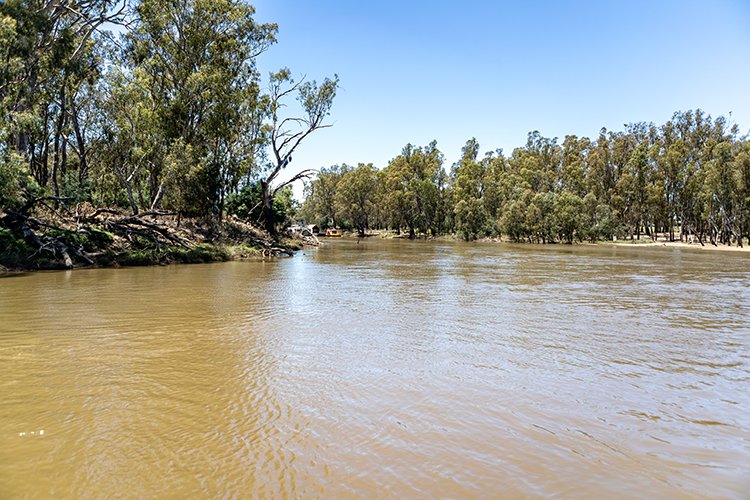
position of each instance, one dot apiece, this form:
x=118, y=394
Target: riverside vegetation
x=688, y=179
x=163, y=144
x=138, y=132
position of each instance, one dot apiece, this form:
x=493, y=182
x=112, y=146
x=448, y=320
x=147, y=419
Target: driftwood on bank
x=59, y=234
x=55, y=246
x=133, y=226
x=65, y=238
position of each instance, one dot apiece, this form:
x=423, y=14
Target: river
x=382, y=369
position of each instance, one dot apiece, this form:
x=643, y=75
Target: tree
x=573, y=165
x=632, y=187
x=287, y=133
x=191, y=65
x=411, y=185
x=48, y=55
x=513, y=220
x=601, y=176
x=742, y=178
x=320, y=196
x=568, y=209
x=355, y=196
x=247, y=203
x=469, y=188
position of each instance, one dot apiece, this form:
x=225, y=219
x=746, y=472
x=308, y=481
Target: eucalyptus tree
x=632, y=190
x=320, y=196
x=742, y=178
x=569, y=217
x=538, y=162
x=722, y=196
x=573, y=168
x=670, y=154
x=288, y=132
x=193, y=63
x=469, y=185
x=48, y=54
x=600, y=172
x=356, y=196
x=495, y=169
x=411, y=186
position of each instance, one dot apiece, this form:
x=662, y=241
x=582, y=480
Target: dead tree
x=288, y=133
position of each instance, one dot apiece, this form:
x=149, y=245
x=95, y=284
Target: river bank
x=661, y=242
x=678, y=244
x=48, y=239
x=107, y=238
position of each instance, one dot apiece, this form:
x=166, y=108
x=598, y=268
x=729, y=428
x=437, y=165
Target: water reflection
x=386, y=368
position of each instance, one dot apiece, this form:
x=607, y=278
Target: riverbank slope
x=59, y=238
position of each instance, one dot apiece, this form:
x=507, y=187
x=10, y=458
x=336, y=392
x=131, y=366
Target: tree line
x=148, y=105
x=688, y=179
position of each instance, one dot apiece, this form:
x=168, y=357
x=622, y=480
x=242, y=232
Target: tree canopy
x=688, y=178
x=171, y=113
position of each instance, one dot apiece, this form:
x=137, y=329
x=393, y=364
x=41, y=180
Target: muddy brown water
x=382, y=369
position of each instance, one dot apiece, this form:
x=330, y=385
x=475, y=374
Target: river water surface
x=382, y=369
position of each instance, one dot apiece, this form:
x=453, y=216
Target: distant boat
x=333, y=233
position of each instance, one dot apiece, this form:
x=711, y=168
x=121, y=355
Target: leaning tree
x=287, y=133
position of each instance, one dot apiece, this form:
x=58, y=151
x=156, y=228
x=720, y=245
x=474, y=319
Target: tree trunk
x=83, y=168
x=267, y=209
x=139, y=190
x=44, y=161
x=58, y=140
x=55, y=164
x=158, y=197
x=64, y=159
x=34, y=162
x=131, y=198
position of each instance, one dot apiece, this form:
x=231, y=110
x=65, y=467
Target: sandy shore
x=643, y=243
x=677, y=244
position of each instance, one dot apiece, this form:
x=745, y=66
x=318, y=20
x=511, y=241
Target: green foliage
x=174, y=116
x=247, y=204
x=471, y=217
x=356, y=196
x=12, y=174
x=320, y=200
x=184, y=111
x=73, y=187
x=692, y=174
x=411, y=196
x=13, y=250
x=568, y=216
x=469, y=186
x=513, y=220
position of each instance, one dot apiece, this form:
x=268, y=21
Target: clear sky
x=414, y=71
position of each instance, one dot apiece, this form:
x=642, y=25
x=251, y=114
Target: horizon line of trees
x=169, y=114
x=688, y=179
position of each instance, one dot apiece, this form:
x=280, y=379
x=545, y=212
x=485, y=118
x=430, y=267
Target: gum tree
x=288, y=132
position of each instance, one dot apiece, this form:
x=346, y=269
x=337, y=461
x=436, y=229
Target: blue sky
x=416, y=71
